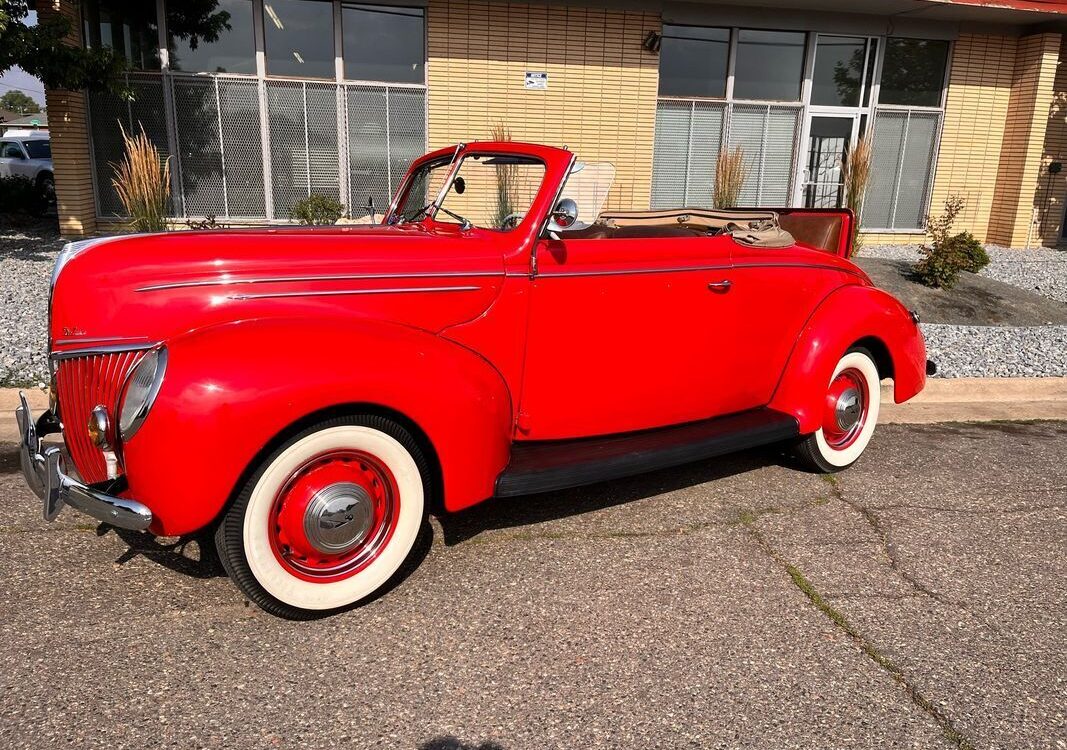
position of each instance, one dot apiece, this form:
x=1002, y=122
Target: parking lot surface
x=918, y=599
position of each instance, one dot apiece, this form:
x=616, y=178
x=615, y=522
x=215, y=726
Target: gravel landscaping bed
x=1039, y=270
x=996, y=351
x=26, y=260
x=999, y=351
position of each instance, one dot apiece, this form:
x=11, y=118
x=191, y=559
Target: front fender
x=230, y=389
x=846, y=317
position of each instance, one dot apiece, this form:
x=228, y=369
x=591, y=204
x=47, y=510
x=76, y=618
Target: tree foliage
x=17, y=101
x=41, y=51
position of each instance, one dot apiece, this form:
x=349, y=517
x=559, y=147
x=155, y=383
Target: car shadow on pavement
x=193, y=555
x=505, y=513
x=454, y=743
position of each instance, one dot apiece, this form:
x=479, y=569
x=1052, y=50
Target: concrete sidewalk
x=943, y=400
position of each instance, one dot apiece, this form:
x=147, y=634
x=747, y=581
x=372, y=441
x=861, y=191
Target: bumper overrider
x=44, y=474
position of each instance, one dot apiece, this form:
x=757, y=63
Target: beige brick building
x=295, y=97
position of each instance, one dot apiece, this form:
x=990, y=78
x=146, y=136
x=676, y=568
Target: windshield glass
x=490, y=191
x=588, y=186
x=38, y=149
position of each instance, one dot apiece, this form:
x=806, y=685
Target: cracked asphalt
x=917, y=600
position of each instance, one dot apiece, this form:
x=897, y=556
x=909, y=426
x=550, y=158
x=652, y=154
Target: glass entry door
x=829, y=137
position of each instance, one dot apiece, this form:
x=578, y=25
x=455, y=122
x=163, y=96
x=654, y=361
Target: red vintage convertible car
x=311, y=394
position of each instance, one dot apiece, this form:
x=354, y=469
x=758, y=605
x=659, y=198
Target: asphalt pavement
x=917, y=600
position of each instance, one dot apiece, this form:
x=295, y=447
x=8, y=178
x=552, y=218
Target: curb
x=943, y=400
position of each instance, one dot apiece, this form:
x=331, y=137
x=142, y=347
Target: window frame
x=805, y=108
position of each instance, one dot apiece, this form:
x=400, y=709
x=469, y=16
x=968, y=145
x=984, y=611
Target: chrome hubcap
x=849, y=409
x=339, y=518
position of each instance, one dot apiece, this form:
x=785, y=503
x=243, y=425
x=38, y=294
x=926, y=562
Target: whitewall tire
x=328, y=518
x=848, y=413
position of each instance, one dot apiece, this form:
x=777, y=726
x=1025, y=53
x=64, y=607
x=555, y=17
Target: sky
x=17, y=78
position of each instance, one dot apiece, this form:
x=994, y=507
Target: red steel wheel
x=849, y=415
x=328, y=518
x=334, y=515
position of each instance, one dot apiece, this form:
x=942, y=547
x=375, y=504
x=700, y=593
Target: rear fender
x=230, y=390
x=846, y=317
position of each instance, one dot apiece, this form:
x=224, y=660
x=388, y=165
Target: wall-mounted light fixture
x=652, y=41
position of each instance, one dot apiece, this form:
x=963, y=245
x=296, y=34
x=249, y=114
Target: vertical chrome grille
x=83, y=383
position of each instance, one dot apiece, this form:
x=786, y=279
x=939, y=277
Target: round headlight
x=143, y=386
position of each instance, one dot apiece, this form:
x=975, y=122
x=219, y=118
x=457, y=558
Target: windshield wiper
x=464, y=224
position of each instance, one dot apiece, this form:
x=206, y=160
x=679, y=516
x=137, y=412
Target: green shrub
x=972, y=254
x=318, y=209
x=941, y=261
x=21, y=195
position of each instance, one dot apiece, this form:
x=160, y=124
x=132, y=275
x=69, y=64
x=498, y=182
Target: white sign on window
x=536, y=79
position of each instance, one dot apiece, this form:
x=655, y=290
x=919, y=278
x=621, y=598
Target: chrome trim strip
x=334, y=277
x=101, y=340
x=683, y=269
x=91, y=350
x=342, y=292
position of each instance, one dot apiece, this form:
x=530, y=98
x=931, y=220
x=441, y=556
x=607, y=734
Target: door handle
x=720, y=287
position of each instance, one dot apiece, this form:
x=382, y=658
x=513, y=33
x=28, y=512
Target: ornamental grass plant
x=142, y=182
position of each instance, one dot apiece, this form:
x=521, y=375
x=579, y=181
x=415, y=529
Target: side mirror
x=564, y=215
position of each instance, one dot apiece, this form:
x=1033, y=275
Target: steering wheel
x=511, y=221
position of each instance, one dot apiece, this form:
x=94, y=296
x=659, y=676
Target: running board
x=544, y=466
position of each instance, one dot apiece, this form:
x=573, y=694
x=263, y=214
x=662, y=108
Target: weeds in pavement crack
x=890, y=551
x=951, y=733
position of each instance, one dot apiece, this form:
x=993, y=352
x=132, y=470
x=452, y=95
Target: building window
x=691, y=131
x=906, y=127
x=693, y=61
x=913, y=74
x=299, y=38
x=902, y=168
x=769, y=65
x=383, y=43
x=838, y=79
x=131, y=29
x=219, y=41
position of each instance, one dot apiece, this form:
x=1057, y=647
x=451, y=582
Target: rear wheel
x=328, y=518
x=849, y=414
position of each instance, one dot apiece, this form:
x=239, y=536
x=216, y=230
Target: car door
x=11, y=157
x=627, y=334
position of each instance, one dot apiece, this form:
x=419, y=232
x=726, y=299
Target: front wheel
x=849, y=414
x=328, y=518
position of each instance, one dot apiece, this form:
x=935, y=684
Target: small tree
x=142, y=182
x=857, y=173
x=730, y=173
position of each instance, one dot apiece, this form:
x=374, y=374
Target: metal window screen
x=767, y=135
x=145, y=109
x=901, y=169
x=690, y=135
x=688, y=139
x=386, y=131
x=216, y=127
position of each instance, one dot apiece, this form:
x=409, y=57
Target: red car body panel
x=475, y=338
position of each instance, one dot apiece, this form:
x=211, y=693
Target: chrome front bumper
x=44, y=474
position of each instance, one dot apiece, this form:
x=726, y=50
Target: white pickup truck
x=28, y=153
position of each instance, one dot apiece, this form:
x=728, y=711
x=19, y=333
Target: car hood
x=126, y=289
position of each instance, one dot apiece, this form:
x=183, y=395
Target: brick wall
x=976, y=108
x=602, y=84
x=1052, y=189
x=68, y=125
x=1022, y=151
